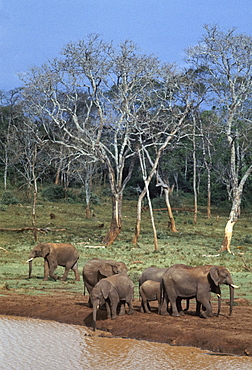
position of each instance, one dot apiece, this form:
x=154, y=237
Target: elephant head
x=40, y=250
x=220, y=275
x=111, y=268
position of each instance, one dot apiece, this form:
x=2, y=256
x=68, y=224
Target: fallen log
x=22, y=229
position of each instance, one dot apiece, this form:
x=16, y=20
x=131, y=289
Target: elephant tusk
x=218, y=295
x=29, y=260
x=234, y=286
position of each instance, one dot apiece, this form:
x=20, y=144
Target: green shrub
x=53, y=193
x=8, y=198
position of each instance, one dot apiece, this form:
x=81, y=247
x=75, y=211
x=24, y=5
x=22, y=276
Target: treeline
x=113, y=115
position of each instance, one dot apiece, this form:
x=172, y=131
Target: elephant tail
x=162, y=291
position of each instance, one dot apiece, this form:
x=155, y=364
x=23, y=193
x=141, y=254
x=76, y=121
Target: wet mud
x=224, y=334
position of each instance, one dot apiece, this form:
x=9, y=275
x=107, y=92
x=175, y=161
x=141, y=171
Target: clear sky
x=33, y=31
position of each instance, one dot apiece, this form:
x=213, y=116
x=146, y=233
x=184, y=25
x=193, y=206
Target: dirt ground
x=223, y=334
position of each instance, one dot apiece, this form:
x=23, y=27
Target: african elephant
x=54, y=254
x=150, y=291
x=97, y=269
x=155, y=274
x=113, y=290
x=181, y=281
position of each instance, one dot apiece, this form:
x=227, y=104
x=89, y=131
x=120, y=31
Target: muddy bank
x=223, y=334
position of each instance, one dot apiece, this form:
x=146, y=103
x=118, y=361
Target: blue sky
x=33, y=31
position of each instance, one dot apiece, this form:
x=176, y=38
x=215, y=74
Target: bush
x=8, y=198
x=53, y=193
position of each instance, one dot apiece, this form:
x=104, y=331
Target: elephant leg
x=76, y=272
x=64, y=277
x=51, y=272
x=122, y=309
x=146, y=306
x=206, y=303
x=142, y=307
x=179, y=306
x=173, y=301
x=114, y=304
x=131, y=309
x=108, y=309
x=198, y=306
x=164, y=307
x=187, y=304
x=89, y=289
x=46, y=270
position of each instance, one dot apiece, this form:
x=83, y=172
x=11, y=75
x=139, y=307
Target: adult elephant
x=113, y=290
x=97, y=269
x=181, y=281
x=56, y=254
x=156, y=274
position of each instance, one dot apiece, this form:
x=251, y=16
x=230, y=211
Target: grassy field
x=192, y=245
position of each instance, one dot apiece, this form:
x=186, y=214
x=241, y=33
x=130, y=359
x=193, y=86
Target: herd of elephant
x=109, y=285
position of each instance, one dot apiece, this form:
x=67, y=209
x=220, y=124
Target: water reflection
x=29, y=343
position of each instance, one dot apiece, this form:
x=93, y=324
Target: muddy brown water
x=27, y=343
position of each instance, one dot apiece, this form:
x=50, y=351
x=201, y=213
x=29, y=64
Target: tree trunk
x=208, y=194
x=138, y=220
x=152, y=219
x=194, y=174
x=227, y=236
x=235, y=212
x=169, y=210
x=116, y=221
x=88, y=211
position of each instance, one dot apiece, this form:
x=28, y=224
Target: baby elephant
x=150, y=291
x=113, y=290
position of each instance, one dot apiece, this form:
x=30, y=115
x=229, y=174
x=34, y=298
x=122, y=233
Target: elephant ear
x=45, y=249
x=105, y=269
x=115, y=269
x=105, y=288
x=214, y=273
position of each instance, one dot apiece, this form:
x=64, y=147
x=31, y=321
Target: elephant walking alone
x=56, y=254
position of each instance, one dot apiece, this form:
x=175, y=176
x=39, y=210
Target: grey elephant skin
x=181, y=281
x=56, y=254
x=150, y=291
x=156, y=274
x=97, y=269
x=152, y=273
x=113, y=290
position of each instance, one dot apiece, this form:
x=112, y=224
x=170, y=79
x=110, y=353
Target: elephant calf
x=150, y=291
x=56, y=254
x=113, y=290
x=97, y=269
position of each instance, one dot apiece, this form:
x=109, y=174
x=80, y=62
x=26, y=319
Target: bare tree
x=32, y=161
x=10, y=114
x=226, y=59
x=115, y=88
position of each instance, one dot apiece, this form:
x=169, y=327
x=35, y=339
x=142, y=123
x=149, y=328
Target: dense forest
x=100, y=114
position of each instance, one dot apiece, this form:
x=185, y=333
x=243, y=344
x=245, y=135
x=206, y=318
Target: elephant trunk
x=30, y=266
x=231, y=290
x=219, y=304
x=95, y=307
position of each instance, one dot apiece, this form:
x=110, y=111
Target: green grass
x=192, y=244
